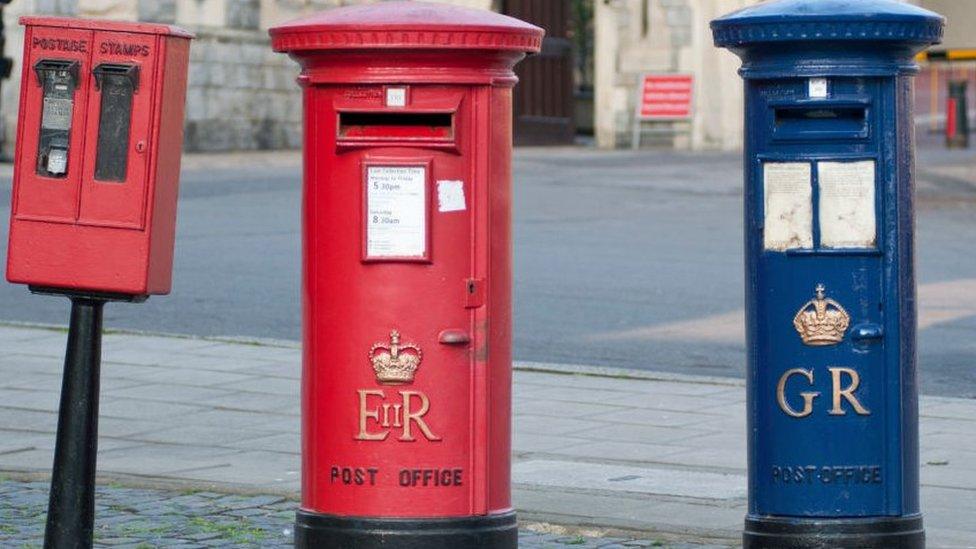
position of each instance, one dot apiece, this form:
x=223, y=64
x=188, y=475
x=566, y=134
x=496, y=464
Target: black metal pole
x=71, y=508
x=6, y=66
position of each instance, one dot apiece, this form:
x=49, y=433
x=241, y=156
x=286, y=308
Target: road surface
x=623, y=259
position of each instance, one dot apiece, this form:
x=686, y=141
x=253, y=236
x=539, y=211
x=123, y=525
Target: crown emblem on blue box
x=395, y=362
x=822, y=321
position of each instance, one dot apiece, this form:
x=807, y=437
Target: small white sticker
x=847, y=216
x=818, y=88
x=396, y=211
x=396, y=97
x=57, y=161
x=450, y=196
x=789, y=210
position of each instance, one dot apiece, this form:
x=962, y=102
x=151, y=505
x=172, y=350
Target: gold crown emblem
x=395, y=363
x=822, y=321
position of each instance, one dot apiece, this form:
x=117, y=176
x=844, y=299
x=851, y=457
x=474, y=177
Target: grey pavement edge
x=599, y=450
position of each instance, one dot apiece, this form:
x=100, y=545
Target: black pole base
x=316, y=531
x=817, y=533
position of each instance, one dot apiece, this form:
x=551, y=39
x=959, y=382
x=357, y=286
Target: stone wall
x=638, y=36
x=157, y=11
x=241, y=95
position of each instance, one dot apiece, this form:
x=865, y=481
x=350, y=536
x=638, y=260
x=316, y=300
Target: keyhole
x=471, y=287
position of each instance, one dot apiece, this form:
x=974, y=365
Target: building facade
x=634, y=37
x=639, y=36
x=242, y=96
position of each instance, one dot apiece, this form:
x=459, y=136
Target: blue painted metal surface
x=861, y=462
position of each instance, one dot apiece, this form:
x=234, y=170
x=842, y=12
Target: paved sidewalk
x=601, y=451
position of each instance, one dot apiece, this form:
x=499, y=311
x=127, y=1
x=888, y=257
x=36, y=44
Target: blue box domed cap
x=885, y=34
x=829, y=20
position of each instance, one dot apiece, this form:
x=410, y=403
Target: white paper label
x=57, y=161
x=396, y=212
x=847, y=211
x=56, y=114
x=818, y=88
x=450, y=196
x=396, y=97
x=789, y=206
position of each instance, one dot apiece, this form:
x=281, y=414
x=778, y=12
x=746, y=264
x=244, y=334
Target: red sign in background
x=666, y=96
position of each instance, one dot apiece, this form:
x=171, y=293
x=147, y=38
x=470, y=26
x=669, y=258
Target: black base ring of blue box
x=863, y=533
x=318, y=531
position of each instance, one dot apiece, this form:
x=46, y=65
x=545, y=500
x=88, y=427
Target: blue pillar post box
x=830, y=297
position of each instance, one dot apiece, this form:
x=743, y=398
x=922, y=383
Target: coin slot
x=59, y=79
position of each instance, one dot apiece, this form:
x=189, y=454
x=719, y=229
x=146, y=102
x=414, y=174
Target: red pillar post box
x=406, y=391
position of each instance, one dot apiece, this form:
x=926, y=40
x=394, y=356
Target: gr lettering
x=844, y=383
x=378, y=418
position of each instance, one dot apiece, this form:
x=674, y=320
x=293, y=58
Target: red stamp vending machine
x=97, y=163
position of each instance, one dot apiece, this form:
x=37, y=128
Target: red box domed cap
x=406, y=25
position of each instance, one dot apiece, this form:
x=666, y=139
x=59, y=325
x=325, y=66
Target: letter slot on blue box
x=830, y=297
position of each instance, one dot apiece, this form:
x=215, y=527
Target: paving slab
x=659, y=481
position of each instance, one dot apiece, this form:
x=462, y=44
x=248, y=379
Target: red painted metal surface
x=952, y=118
x=76, y=231
x=666, y=97
x=437, y=445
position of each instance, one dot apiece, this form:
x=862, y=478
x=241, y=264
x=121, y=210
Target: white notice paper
x=396, y=212
x=450, y=196
x=818, y=88
x=847, y=212
x=789, y=205
x=396, y=97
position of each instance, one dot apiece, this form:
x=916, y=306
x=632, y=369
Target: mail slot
x=830, y=263
x=117, y=83
x=97, y=163
x=396, y=126
x=407, y=274
x=833, y=120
